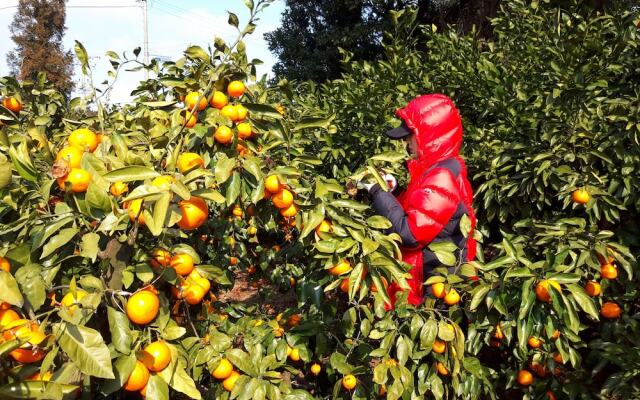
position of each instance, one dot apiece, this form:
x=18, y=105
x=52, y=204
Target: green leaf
x=241, y=360
x=234, y=188
x=157, y=388
x=81, y=53
x=98, y=198
x=314, y=218
x=22, y=163
x=131, y=173
x=584, y=301
x=224, y=169
x=262, y=110
x=478, y=294
x=176, y=377
x=379, y=222
x=233, y=19
x=36, y=390
x=9, y=291
x=349, y=204
x=197, y=53
x=445, y=332
x=86, y=348
x=428, y=334
x=58, y=241
x=29, y=278
x=209, y=194
x=253, y=166
x=121, y=336
x=5, y=172
x=312, y=122
x=89, y=246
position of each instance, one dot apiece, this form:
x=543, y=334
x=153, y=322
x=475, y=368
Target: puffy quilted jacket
x=438, y=193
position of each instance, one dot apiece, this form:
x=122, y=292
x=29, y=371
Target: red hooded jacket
x=437, y=195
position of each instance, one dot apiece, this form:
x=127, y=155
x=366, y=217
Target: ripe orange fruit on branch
x=241, y=113
x=237, y=211
x=160, y=257
x=610, y=310
x=28, y=356
x=182, y=263
x=133, y=209
x=78, y=180
x=188, y=161
x=452, y=297
x=442, y=370
x=342, y=267
x=230, y=112
x=163, y=182
x=244, y=130
x=282, y=199
x=580, y=196
x=272, y=184
x=223, y=135
x=72, y=155
x=295, y=355
x=194, y=294
x=13, y=104
x=349, y=382
x=156, y=356
x=439, y=346
x=557, y=357
x=70, y=301
x=525, y=378
x=84, y=139
x=592, y=288
x=324, y=227
x=497, y=333
x=118, y=188
x=5, y=265
x=143, y=307
x=223, y=370
x=315, y=369
x=438, y=290
x=542, y=289
x=235, y=89
x=609, y=271
x=189, y=120
x=556, y=335
x=534, y=342
x=191, y=101
x=219, y=100
x=230, y=382
x=138, y=378
x=194, y=213
x=7, y=317
x=290, y=211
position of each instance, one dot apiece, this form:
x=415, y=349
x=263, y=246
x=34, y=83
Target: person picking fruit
x=437, y=195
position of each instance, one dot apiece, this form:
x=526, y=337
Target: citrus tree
x=208, y=240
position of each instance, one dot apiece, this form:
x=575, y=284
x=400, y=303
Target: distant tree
x=312, y=31
x=37, y=30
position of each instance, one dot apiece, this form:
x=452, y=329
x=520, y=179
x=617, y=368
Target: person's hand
x=392, y=183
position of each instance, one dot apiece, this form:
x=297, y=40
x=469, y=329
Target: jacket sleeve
x=429, y=208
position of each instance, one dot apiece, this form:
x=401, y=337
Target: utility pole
x=145, y=22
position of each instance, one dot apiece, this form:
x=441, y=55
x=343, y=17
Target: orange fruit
x=28, y=356
x=188, y=161
x=160, y=257
x=580, y=196
x=385, y=284
x=37, y=377
x=143, y=391
x=439, y=346
x=452, y=297
x=290, y=211
x=241, y=113
x=497, y=333
x=233, y=260
x=194, y=213
x=542, y=289
x=272, y=184
x=539, y=369
x=189, y=120
x=235, y=88
x=143, y=307
x=605, y=259
x=230, y=381
x=7, y=317
x=280, y=108
x=156, y=356
x=609, y=271
x=295, y=355
x=294, y=320
x=223, y=135
x=534, y=342
x=244, y=130
x=138, y=378
x=223, y=370
x=182, y=263
x=349, y=382
x=70, y=301
x=282, y=199
x=13, y=104
x=78, y=180
x=324, y=227
x=610, y=310
x=72, y=155
x=342, y=267
x=252, y=230
x=442, y=370
x=218, y=100
x=315, y=369
x=194, y=294
x=525, y=378
x=191, y=101
x=5, y=265
x=438, y=290
x=230, y=112
x=556, y=335
x=133, y=209
x=4, y=306
x=344, y=285
x=118, y=188
x=84, y=139
x=163, y=182
x=592, y=288
x=237, y=211
x=557, y=357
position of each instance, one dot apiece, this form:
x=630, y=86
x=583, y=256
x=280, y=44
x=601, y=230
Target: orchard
x=209, y=241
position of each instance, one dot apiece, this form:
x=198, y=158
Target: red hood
x=435, y=121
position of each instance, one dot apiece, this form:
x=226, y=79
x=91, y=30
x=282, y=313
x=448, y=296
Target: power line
x=122, y=6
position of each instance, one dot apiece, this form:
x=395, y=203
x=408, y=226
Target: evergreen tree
x=37, y=30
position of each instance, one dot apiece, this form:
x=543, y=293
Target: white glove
x=364, y=185
x=392, y=183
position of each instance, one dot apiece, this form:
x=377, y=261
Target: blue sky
x=173, y=26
